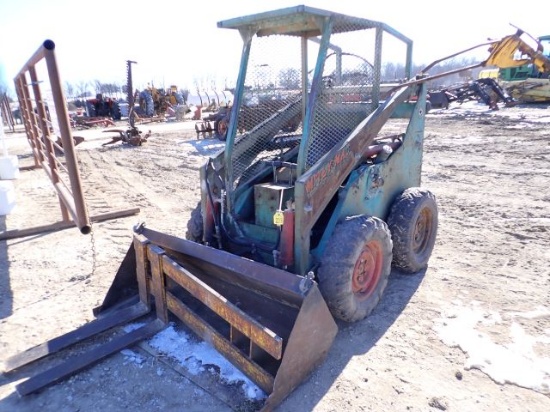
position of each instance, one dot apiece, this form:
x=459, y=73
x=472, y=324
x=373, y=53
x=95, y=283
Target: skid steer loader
x=296, y=226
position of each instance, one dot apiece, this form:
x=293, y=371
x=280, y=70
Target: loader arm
x=502, y=53
x=317, y=186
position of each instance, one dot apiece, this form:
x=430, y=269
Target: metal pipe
x=66, y=138
x=18, y=233
x=36, y=57
x=25, y=108
x=43, y=146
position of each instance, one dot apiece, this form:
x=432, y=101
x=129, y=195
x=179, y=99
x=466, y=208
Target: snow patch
x=515, y=362
x=198, y=357
x=132, y=356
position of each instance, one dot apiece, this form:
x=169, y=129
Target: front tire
x=355, y=268
x=195, y=225
x=413, y=222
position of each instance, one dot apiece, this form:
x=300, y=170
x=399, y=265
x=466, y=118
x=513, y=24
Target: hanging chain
x=94, y=250
x=92, y=241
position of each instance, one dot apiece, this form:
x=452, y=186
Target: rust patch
x=332, y=167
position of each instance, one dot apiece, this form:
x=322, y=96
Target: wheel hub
x=222, y=127
x=367, y=271
x=422, y=231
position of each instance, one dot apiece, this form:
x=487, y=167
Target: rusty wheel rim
x=222, y=127
x=367, y=270
x=422, y=231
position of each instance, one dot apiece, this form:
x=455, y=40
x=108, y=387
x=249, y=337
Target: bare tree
x=82, y=89
x=98, y=86
x=184, y=93
x=289, y=78
x=392, y=71
x=3, y=82
x=69, y=90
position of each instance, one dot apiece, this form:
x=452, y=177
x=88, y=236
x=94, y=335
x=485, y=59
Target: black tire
x=413, y=222
x=355, y=268
x=220, y=126
x=428, y=106
x=115, y=112
x=195, y=225
x=149, y=104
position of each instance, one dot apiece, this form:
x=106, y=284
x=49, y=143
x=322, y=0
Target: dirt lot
x=472, y=333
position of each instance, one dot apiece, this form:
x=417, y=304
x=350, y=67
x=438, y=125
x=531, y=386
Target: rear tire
x=355, y=268
x=195, y=225
x=413, y=222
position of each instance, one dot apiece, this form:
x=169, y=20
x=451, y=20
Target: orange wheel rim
x=422, y=231
x=367, y=270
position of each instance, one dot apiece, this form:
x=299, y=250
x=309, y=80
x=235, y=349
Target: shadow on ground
x=358, y=338
x=6, y=295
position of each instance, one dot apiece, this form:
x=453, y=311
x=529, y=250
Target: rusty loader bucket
x=271, y=324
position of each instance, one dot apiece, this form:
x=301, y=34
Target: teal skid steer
x=315, y=196
x=315, y=187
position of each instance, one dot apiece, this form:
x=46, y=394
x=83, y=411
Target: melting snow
x=515, y=362
x=196, y=357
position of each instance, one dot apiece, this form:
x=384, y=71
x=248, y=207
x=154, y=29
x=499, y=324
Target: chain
x=92, y=241
x=94, y=250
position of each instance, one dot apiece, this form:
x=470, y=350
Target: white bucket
x=7, y=197
x=9, y=167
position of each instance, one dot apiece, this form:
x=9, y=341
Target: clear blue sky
x=178, y=42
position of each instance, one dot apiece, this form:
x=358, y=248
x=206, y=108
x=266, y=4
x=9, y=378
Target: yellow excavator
x=295, y=228
x=527, y=81
x=530, y=82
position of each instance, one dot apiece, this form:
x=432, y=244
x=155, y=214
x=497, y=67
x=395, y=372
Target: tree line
x=287, y=79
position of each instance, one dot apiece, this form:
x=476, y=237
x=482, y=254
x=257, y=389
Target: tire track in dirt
x=488, y=191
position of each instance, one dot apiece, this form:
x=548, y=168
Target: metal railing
x=46, y=119
x=7, y=114
x=44, y=115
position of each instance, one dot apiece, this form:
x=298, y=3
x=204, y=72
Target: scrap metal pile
x=131, y=136
x=484, y=90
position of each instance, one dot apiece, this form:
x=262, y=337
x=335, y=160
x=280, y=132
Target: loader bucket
x=271, y=324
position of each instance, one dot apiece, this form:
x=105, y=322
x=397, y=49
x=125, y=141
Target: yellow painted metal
x=532, y=90
x=503, y=54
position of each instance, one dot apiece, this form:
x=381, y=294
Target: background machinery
x=528, y=83
x=157, y=102
x=485, y=90
x=302, y=215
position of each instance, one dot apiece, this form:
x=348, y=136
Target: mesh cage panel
x=271, y=103
x=345, y=97
x=271, y=111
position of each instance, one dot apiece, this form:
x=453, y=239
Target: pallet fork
x=273, y=325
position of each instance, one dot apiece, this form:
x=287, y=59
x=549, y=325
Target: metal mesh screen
x=270, y=118
x=345, y=96
x=272, y=107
